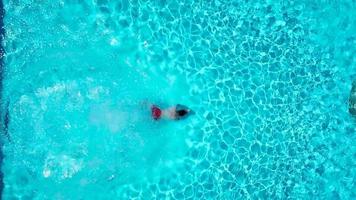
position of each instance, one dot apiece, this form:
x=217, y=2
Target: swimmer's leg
x=145, y=104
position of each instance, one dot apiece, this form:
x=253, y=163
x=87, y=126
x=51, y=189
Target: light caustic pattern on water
x=269, y=81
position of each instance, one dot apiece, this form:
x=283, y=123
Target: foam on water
x=79, y=107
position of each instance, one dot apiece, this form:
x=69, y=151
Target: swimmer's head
x=182, y=111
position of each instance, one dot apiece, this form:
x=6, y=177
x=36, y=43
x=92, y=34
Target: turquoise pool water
x=269, y=81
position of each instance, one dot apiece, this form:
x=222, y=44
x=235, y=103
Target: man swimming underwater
x=174, y=113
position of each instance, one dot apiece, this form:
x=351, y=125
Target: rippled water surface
x=269, y=82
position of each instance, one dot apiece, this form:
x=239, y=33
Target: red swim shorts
x=156, y=112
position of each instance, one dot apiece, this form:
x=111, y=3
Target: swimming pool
x=269, y=82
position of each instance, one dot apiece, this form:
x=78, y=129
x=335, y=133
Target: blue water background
x=269, y=81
